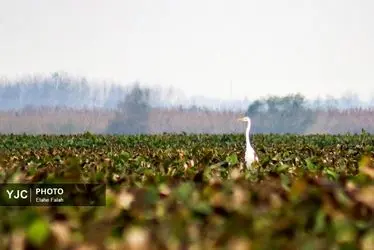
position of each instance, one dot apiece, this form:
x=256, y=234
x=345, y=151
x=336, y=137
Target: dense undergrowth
x=193, y=192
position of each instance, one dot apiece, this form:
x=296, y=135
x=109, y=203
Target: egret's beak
x=241, y=119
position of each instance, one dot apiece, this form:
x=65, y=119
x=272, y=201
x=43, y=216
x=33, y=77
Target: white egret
x=250, y=154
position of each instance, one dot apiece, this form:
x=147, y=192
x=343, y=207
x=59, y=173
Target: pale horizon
x=217, y=49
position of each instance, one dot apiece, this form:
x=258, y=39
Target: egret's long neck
x=247, y=134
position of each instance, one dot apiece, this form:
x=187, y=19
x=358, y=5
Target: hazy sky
x=315, y=47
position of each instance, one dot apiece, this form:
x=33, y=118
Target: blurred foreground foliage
x=192, y=191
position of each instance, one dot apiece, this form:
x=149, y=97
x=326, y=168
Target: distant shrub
x=287, y=114
x=133, y=113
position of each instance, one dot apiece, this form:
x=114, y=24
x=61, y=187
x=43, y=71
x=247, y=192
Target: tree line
x=273, y=114
x=287, y=114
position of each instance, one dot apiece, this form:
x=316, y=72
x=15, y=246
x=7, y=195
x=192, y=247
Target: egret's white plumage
x=250, y=154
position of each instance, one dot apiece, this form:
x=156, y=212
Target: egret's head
x=245, y=119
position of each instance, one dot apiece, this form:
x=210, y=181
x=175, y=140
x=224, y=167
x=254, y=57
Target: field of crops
x=193, y=192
